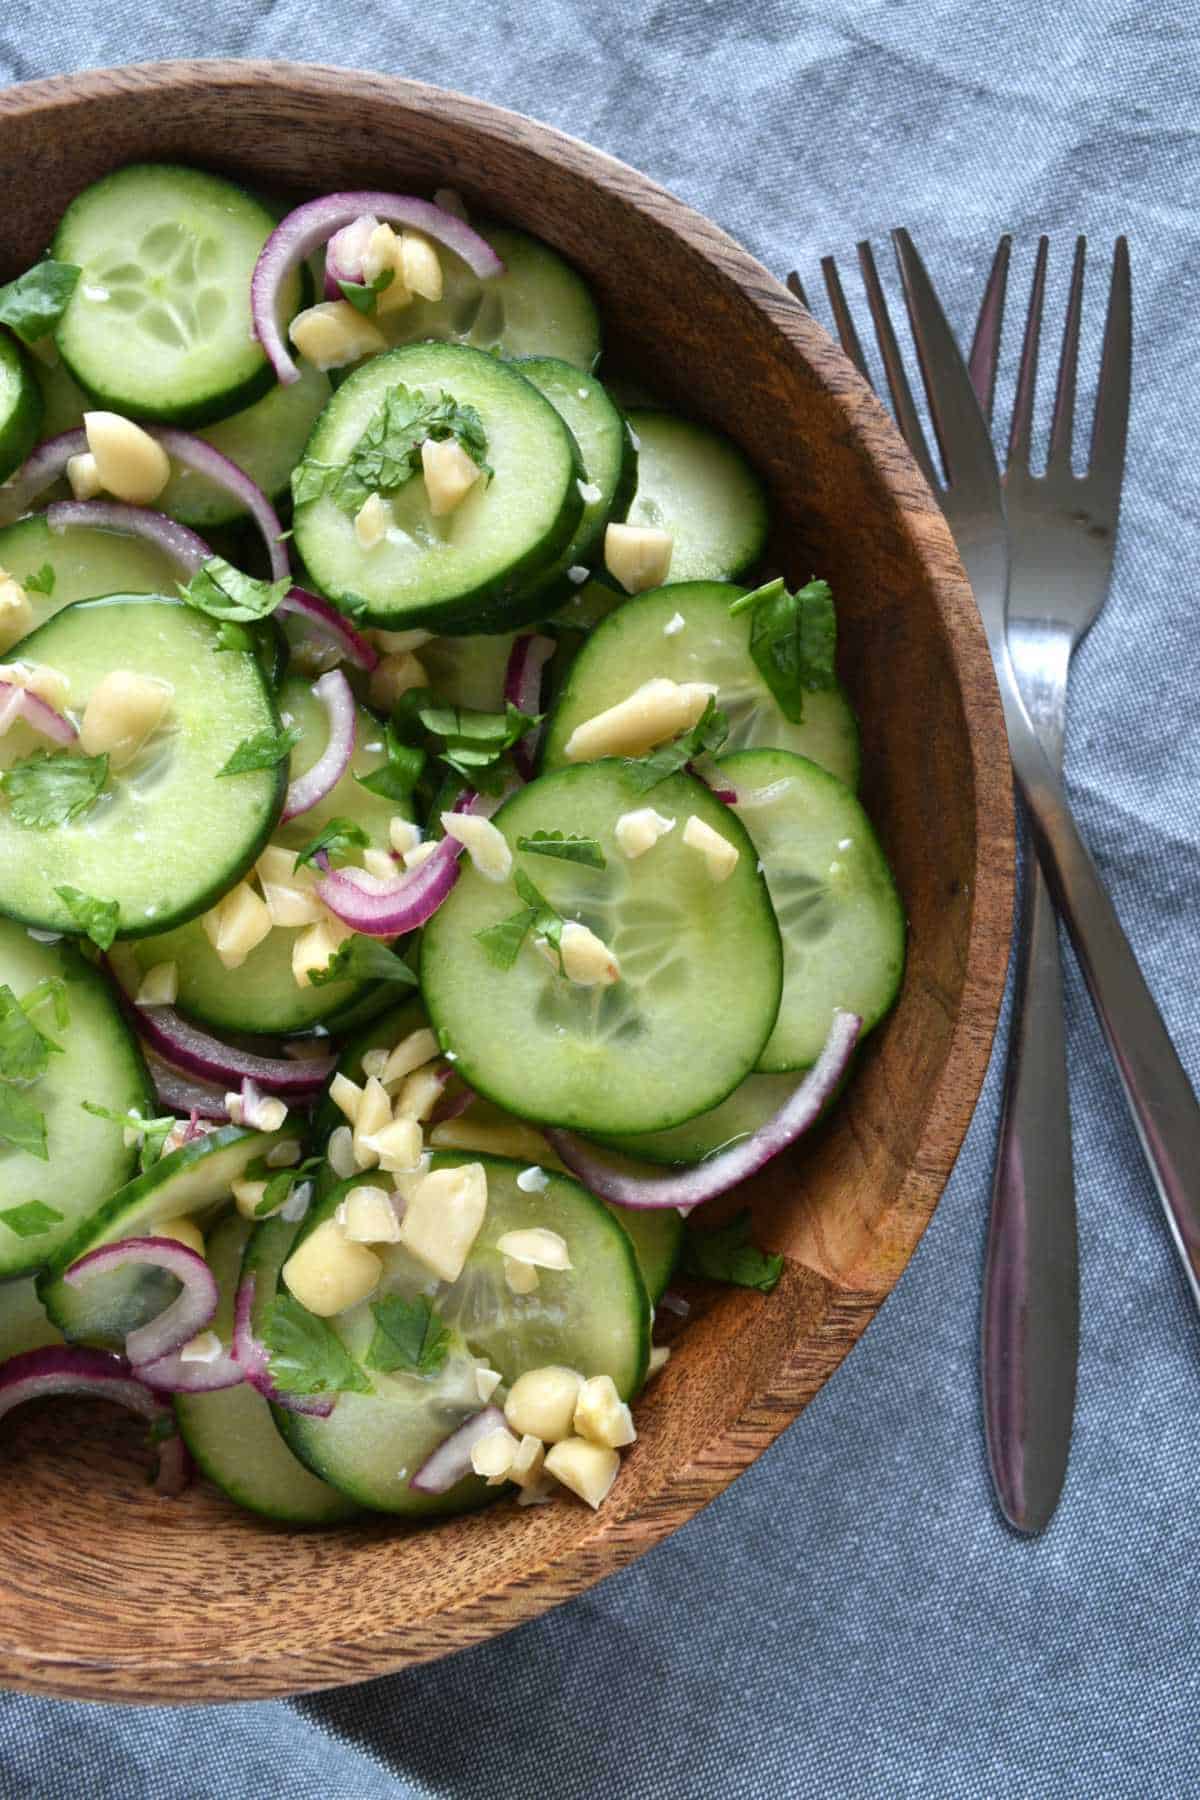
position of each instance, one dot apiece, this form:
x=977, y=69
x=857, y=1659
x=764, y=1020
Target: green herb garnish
x=262, y=751
x=96, y=918
x=409, y=1336
x=793, y=638
x=727, y=1255
x=51, y=787
x=31, y=1219
x=706, y=735
x=360, y=958
x=306, y=1354
x=364, y=296
x=223, y=592
x=21, y=1124
x=399, y=775
x=388, y=454
x=42, y=581
x=335, y=839
x=33, y=304
x=566, y=848
x=25, y=1051
x=152, y=1134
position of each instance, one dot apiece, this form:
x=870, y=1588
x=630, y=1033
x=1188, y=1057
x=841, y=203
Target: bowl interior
x=105, y=1591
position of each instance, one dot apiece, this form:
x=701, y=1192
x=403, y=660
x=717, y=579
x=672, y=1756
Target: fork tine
x=1062, y=429
x=989, y=330
x=843, y=320
x=796, y=290
x=1107, y=455
x=902, y=401
x=1021, y=432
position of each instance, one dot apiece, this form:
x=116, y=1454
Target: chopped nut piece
x=333, y=333
x=419, y=1093
x=602, y=1416
x=510, y=1138
x=412, y=1052
x=346, y=1096
x=542, y=1402
x=720, y=856
x=339, y=1152
x=393, y=676
x=316, y=948
x=380, y=863
x=639, y=556
x=520, y=1277
x=527, y=1464
x=372, y=520
x=394, y=643
x=122, y=711
x=205, y=1347
x=637, y=832
x=540, y=1248
x=586, y=959
x=419, y=853
x=248, y=1196
x=450, y=474
x=83, y=476
x=443, y=1218
x=396, y=1147
x=159, y=986
x=183, y=1230
x=589, y=1470
x=374, y=1112
x=533, y=1181
x=237, y=925
x=486, y=1383
x=492, y=1456
x=129, y=462
x=419, y=265
x=327, y=1273
x=484, y=843
x=403, y=835
x=368, y=1217
x=658, y=710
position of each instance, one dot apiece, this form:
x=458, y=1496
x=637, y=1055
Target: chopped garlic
x=346, y=1096
x=450, y=474
x=412, y=1052
x=396, y=1147
x=589, y=1470
x=542, y=1402
x=289, y=892
x=720, y=856
x=484, y=843
x=372, y=521
x=327, y=1273
x=248, y=1196
x=339, y=1152
x=129, y=462
x=419, y=1092
x=333, y=333
x=395, y=643
x=403, y=835
x=639, y=831
x=123, y=709
x=283, y=1156
x=49, y=684
x=374, y=1062
x=374, y=1112
x=237, y=925
x=638, y=556
x=444, y=1216
x=367, y=1216
x=526, y=1468
x=658, y=710
x=492, y=1455
x=159, y=986
x=16, y=612
x=537, y=1246
x=602, y=1416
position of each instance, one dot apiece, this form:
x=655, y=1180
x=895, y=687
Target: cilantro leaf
x=279, y=1182
x=469, y=741
x=503, y=942
x=42, y=581
x=793, y=638
x=409, y=1336
x=21, y=1124
x=364, y=297
x=727, y=1255
x=262, y=751
x=388, y=454
x=546, y=922
x=24, y=1051
x=397, y=778
x=152, y=1133
x=307, y=1356
x=97, y=918
x=706, y=735
x=51, y=787
x=54, y=989
x=335, y=839
x=33, y=304
x=223, y=592
x=31, y=1219
x=360, y=958
x=567, y=848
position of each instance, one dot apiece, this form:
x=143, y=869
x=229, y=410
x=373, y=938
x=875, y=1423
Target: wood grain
x=108, y=1593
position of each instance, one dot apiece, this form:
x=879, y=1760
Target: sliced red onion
x=59, y=1369
x=18, y=703
x=352, y=645
x=50, y=459
x=450, y=1463
x=344, y=253
x=712, y=778
x=181, y=1375
x=253, y=1360
x=523, y=686
x=452, y=1106
x=185, y=1046
x=313, y=224
x=183, y=547
x=625, y=1182
x=335, y=695
x=191, y=1310
x=388, y=909
x=183, y=1094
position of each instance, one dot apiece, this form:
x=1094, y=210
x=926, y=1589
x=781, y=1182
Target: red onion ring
x=173, y=1375
x=450, y=1463
x=388, y=909
x=168, y=535
x=523, y=686
x=624, y=1182
x=252, y=1358
x=18, y=703
x=334, y=693
x=310, y=226
x=41, y=1374
x=344, y=254
x=452, y=1106
x=183, y=1094
x=191, y=1310
x=353, y=646
x=50, y=459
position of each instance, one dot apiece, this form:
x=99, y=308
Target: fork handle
x=1030, y=1287
x=1157, y=1089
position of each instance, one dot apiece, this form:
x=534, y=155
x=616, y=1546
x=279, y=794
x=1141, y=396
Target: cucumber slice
x=485, y=555
x=698, y=486
x=605, y=444
x=632, y=644
x=86, y=563
x=748, y=1107
x=63, y=401
x=700, y=962
x=262, y=996
x=20, y=405
x=23, y=1321
x=538, y=307
x=194, y=1181
x=266, y=440
x=839, y=914
x=231, y=1433
x=656, y=1236
x=99, y=1061
x=159, y=324
x=594, y=1317
x=165, y=838
x=469, y=671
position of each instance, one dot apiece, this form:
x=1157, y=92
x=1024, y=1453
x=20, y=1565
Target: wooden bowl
x=108, y=1593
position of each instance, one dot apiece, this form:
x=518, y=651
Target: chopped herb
x=365, y=297
x=21, y=1124
x=52, y=787
x=307, y=1355
x=360, y=958
x=399, y=775
x=503, y=942
x=408, y=1336
x=232, y=636
x=97, y=918
x=468, y=741
x=42, y=582
x=279, y=1182
x=388, y=454
x=223, y=592
x=54, y=989
x=25, y=1051
x=262, y=751
x=567, y=848
x=706, y=735
x=793, y=638
x=31, y=1219
x=152, y=1133
x=727, y=1254
x=353, y=605
x=546, y=922
x=335, y=839
x=33, y=304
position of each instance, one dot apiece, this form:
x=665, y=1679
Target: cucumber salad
x=430, y=865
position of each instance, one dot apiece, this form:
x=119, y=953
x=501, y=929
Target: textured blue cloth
x=851, y=1618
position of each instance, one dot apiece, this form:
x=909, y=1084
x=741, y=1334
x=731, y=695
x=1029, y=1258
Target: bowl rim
x=602, y=1548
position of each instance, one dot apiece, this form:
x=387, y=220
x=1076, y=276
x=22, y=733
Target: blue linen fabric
x=851, y=1618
